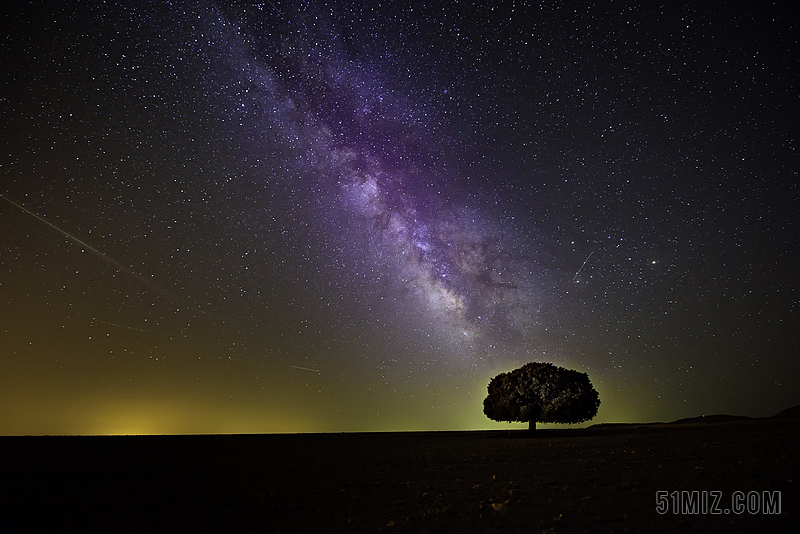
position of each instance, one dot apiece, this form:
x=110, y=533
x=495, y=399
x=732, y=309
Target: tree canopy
x=541, y=392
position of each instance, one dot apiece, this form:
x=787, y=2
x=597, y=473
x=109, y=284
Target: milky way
x=359, y=148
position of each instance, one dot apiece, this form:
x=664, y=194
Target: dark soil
x=601, y=479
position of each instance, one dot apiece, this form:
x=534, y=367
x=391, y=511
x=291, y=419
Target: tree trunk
x=531, y=426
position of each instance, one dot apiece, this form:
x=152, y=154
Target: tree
x=541, y=392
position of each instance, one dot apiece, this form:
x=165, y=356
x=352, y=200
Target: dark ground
x=601, y=479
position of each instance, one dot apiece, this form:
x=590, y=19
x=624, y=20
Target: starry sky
x=242, y=217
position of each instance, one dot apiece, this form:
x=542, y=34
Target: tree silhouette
x=541, y=392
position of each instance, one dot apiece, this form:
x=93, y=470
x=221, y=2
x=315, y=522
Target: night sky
x=248, y=217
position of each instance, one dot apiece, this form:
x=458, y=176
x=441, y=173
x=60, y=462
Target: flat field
x=600, y=479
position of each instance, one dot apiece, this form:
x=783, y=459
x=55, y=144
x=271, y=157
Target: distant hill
x=788, y=413
x=718, y=418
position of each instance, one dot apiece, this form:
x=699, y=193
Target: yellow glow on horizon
x=173, y=416
x=44, y=413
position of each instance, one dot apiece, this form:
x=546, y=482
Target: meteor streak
x=118, y=325
x=582, y=266
x=111, y=261
x=305, y=369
